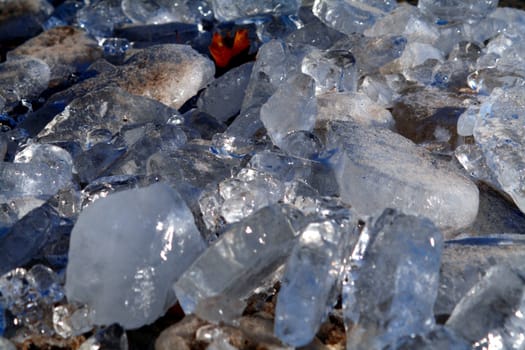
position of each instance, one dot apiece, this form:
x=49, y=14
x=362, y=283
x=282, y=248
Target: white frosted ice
x=126, y=250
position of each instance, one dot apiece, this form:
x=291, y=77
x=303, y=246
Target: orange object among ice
x=222, y=49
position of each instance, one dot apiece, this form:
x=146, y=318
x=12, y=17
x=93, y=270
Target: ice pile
x=347, y=173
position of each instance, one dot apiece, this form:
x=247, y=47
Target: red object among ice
x=223, y=49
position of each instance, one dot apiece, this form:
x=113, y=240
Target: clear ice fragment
x=377, y=168
x=99, y=18
x=351, y=16
x=353, y=106
x=165, y=11
x=473, y=161
x=490, y=315
x=291, y=108
x=309, y=282
x=223, y=97
x=113, y=337
x=237, y=263
x=438, y=338
x=71, y=321
x=226, y=10
x=499, y=131
x=392, y=281
x=22, y=77
x=110, y=109
x=332, y=70
x=125, y=252
x=466, y=261
x=457, y=10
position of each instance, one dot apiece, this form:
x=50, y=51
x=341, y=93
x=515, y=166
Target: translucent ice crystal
x=226, y=10
x=377, y=168
x=499, y=131
x=309, y=282
x=126, y=250
x=109, y=109
x=165, y=11
x=490, y=315
x=351, y=16
x=392, y=281
x=237, y=263
x=464, y=11
x=22, y=77
x=223, y=97
x=354, y=106
x=291, y=108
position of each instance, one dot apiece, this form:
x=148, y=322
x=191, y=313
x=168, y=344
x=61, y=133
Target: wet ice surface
x=349, y=174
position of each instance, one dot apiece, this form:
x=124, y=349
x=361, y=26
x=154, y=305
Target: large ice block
x=126, y=250
x=377, y=168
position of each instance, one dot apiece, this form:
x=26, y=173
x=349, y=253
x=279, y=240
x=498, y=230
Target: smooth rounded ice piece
x=377, y=169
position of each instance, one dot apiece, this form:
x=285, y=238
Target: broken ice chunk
x=223, y=97
x=248, y=192
x=27, y=236
x=500, y=133
x=392, y=281
x=162, y=11
x=144, y=140
x=71, y=321
x=457, y=11
x=226, y=10
x=332, y=70
x=109, y=109
x=38, y=171
x=353, y=106
x=309, y=282
x=100, y=18
x=466, y=261
x=126, y=250
x=22, y=78
x=292, y=107
x=237, y=263
x=406, y=20
x=315, y=33
x=351, y=16
x=372, y=53
x=471, y=158
x=377, y=168
x=30, y=295
x=112, y=337
x=490, y=315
